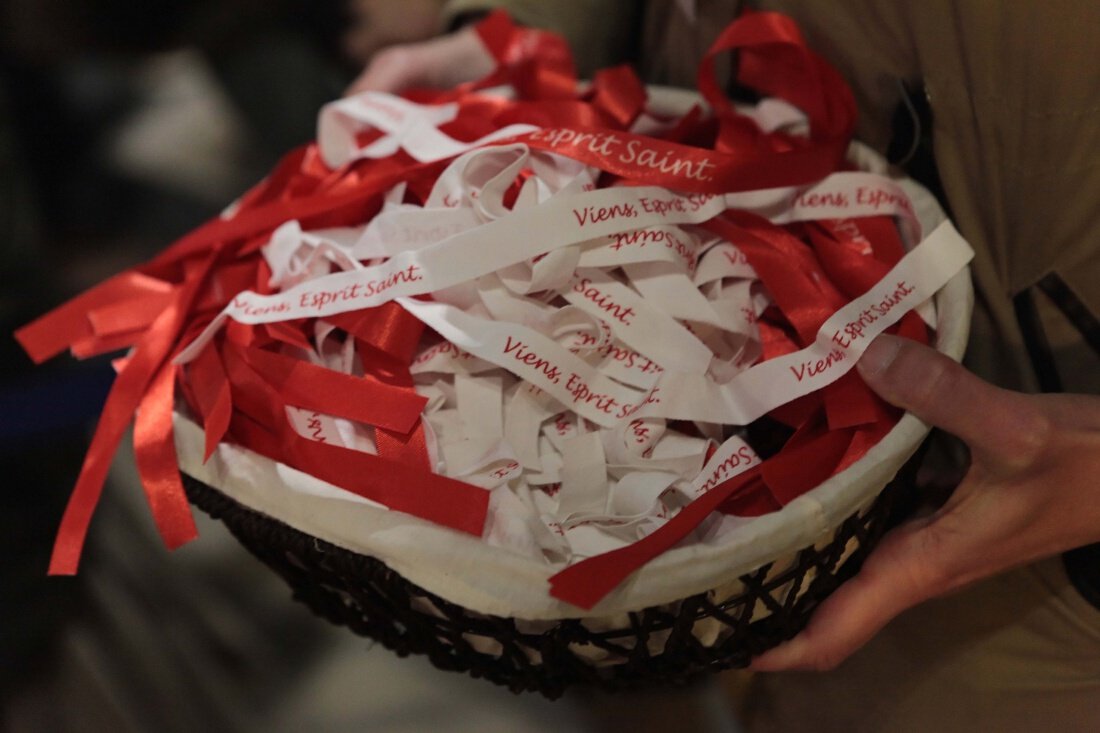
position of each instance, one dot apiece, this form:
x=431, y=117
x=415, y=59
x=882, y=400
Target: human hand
x=375, y=24
x=1031, y=491
x=440, y=63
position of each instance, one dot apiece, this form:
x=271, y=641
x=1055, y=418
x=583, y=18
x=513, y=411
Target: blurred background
x=124, y=124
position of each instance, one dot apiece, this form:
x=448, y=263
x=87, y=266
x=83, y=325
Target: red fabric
x=126, y=395
x=157, y=464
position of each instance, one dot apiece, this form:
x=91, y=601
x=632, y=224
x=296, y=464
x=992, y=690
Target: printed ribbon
x=303, y=344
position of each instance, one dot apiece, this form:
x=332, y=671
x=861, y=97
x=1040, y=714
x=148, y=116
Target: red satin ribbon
x=259, y=423
x=210, y=395
x=241, y=384
x=775, y=61
x=311, y=387
x=126, y=394
x=49, y=335
x=686, y=168
x=157, y=464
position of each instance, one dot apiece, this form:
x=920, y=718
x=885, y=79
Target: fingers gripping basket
x=474, y=608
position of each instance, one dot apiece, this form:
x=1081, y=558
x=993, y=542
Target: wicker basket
x=470, y=607
x=370, y=599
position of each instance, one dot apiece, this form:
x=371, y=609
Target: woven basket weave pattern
x=668, y=644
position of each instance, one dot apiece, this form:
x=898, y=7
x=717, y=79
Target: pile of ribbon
x=533, y=296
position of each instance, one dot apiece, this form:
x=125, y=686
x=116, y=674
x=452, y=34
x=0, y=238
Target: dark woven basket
x=656, y=645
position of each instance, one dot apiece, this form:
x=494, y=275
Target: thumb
x=943, y=393
x=441, y=62
x=927, y=556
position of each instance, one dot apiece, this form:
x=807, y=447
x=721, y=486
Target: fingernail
x=879, y=355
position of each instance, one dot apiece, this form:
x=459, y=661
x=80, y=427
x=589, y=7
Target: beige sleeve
x=1015, y=95
x=601, y=32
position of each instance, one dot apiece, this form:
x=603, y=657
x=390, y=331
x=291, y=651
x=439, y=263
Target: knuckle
x=1033, y=435
x=1025, y=439
x=919, y=384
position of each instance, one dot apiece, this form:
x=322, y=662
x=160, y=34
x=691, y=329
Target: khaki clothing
x=1014, y=90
